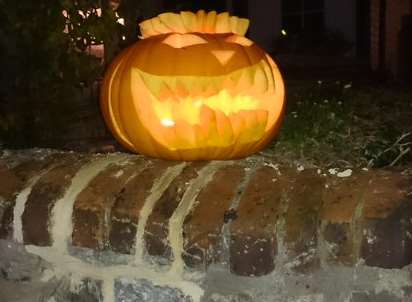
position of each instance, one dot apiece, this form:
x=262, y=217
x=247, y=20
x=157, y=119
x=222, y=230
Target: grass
x=336, y=124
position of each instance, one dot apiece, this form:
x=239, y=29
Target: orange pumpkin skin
x=193, y=95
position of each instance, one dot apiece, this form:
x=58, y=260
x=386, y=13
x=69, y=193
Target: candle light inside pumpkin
x=167, y=122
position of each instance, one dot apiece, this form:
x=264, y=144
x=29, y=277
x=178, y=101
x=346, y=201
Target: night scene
x=206, y=151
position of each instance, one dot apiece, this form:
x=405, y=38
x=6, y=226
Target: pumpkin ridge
x=188, y=22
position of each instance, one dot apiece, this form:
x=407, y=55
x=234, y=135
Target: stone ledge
x=249, y=216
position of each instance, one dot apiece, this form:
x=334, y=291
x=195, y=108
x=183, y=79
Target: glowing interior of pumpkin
x=189, y=108
x=188, y=111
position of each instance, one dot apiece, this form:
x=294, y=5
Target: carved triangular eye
x=180, y=41
x=223, y=56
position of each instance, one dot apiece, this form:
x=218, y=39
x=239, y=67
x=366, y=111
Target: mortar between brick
x=157, y=190
x=67, y=264
x=226, y=236
x=20, y=204
x=176, y=221
x=61, y=220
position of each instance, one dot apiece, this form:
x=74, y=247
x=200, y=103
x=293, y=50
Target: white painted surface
x=67, y=264
x=20, y=205
x=61, y=224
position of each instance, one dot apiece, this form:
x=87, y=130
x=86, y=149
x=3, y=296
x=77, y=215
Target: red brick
x=12, y=182
x=157, y=228
x=341, y=199
x=387, y=221
x=128, y=202
x=253, y=237
x=92, y=206
x=305, y=200
x=202, y=227
x=10, y=185
x=395, y=10
x=48, y=189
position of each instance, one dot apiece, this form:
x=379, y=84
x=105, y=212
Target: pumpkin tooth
x=251, y=126
x=237, y=122
x=165, y=92
x=224, y=128
x=223, y=23
x=253, y=132
x=209, y=25
x=180, y=90
x=211, y=89
x=246, y=79
x=171, y=82
x=260, y=82
x=165, y=134
x=196, y=88
x=208, y=126
x=262, y=120
x=234, y=77
x=229, y=84
x=201, y=135
x=208, y=85
x=185, y=134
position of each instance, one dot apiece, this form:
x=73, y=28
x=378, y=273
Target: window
x=303, y=16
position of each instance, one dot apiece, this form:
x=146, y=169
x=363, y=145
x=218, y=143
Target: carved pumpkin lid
x=188, y=22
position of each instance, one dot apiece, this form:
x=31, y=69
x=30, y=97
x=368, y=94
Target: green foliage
x=333, y=124
x=44, y=68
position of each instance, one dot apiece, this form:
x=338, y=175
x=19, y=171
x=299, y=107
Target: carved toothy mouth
x=188, y=111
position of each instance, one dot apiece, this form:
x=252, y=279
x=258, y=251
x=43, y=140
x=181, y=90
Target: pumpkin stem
x=188, y=22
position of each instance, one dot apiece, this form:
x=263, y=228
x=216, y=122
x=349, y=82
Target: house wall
x=395, y=9
x=341, y=15
x=265, y=22
x=266, y=19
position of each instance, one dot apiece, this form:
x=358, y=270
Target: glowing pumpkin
x=193, y=88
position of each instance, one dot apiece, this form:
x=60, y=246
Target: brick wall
x=395, y=10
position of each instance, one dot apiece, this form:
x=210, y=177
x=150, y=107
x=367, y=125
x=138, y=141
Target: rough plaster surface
x=144, y=291
x=26, y=277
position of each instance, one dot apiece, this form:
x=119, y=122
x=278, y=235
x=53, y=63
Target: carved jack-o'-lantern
x=193, y=88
